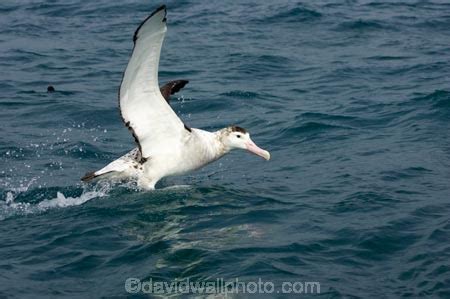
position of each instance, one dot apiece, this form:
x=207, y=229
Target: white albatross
x=166, y=146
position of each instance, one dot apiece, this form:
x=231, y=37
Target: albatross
x=165, y=145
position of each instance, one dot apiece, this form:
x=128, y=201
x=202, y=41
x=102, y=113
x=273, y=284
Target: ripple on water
x=296, y=14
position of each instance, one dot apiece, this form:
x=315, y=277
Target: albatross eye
x=238, y=136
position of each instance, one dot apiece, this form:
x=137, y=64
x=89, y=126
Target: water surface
x=351, y=98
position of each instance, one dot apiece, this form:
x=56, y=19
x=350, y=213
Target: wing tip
x=162, y=7
x=179, y=84
x=171, y=88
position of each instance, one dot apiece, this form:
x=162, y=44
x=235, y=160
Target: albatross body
x=165, y=145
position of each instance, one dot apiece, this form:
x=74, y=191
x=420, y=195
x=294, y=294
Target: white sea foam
x=10, y=207
x=62, y=201
x=176, y=187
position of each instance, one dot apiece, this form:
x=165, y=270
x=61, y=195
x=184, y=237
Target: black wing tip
x=162, y=7
x=179, y=84
x=172, y=87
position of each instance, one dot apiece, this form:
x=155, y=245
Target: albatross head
x=238, y=138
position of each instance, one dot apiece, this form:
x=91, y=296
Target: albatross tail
x=90, y=176
x=125, y=166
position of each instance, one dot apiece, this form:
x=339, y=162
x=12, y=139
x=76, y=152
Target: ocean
x=352, y=99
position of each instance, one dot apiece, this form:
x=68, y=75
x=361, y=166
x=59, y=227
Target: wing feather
x=144, y=110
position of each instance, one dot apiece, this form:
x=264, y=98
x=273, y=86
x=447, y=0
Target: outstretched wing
x=153, y=123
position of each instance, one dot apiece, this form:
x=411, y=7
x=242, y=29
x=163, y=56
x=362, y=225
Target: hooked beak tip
x=253, y=148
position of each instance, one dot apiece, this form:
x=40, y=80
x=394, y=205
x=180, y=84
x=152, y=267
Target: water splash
x=10, y=208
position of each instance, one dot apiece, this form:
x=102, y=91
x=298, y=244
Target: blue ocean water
x=352, y=98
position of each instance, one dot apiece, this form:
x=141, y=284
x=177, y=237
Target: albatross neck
x=213, y=146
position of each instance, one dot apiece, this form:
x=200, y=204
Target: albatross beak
x=253, y=148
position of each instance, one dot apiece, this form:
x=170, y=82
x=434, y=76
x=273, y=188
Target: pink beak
x=253, y=148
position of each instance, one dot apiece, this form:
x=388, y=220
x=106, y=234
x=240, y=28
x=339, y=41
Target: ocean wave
x=310, y=130
x=292, y=15
x=363, y=25
x=438, y=99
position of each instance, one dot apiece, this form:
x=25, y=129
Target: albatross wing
x=155, y=126
x=171, y=88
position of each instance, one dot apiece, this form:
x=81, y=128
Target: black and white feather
x=166, y=146
x=144, y=110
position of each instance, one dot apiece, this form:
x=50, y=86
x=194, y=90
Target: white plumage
x=165, y=145
x=142, y=106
